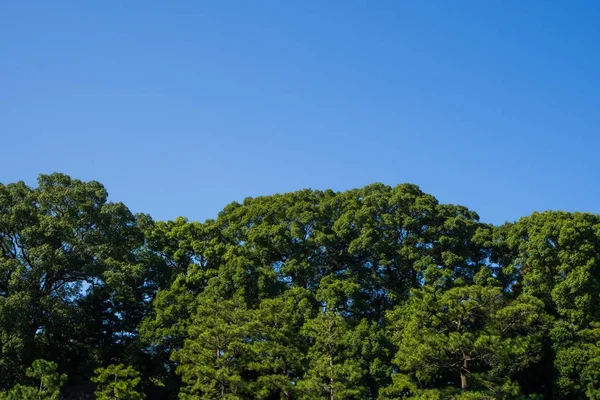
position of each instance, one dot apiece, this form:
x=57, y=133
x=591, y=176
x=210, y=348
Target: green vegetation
x=117, y=382
x=373, y=293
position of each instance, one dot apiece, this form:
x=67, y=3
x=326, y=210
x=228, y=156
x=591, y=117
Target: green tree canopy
x=117, y=382
x=46, y=383
x=376, y=292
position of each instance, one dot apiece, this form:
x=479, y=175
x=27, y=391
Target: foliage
x=46, y=383
x=117, y=382
x=377, y=292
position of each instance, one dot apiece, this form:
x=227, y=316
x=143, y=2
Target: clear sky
x=180, y=107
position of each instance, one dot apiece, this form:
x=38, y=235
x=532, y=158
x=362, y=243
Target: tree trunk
x=463, y=381
x=463, y=371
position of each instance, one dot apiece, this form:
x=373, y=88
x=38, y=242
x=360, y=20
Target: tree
x=117, y=382
x=335, y=369
x=47, y=383
x=470, y=337
x=54, y=240
x=556, y=256
x=213, y=360
x=279, y=347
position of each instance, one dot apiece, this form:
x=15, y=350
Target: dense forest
x=374, y=293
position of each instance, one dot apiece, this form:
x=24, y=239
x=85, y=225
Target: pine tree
x=117, y=382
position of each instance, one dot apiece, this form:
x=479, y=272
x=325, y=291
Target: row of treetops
x=374, y=293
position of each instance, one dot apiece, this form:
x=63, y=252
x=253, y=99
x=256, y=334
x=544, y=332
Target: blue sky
x=182, y=107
